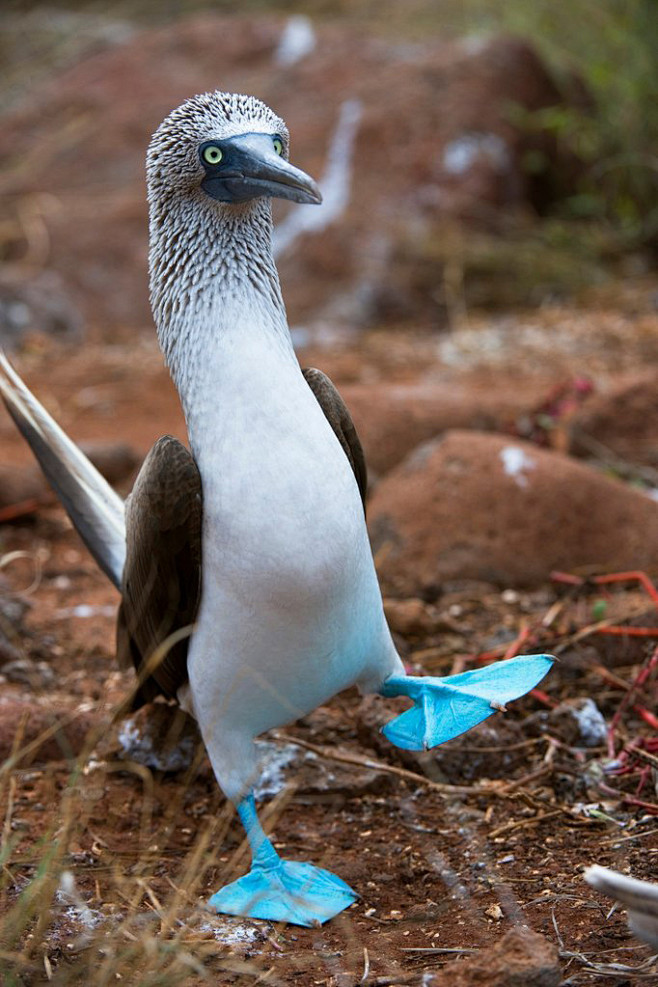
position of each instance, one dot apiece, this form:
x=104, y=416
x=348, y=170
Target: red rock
x=392, y=419
x=411, y=618
x=18, y=484
x=522, y=958
x=115, y=460
x=623, y=419
x=479, y=506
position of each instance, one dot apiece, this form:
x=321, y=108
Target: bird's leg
x=263, y=853
x=280, y=890
x=445, y=707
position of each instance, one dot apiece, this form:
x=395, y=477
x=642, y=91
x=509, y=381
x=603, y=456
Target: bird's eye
x=212, y=154
x=278, y=145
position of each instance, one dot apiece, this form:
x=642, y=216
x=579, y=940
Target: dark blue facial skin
x=251, y=168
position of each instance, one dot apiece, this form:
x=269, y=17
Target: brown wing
x=339, y=418
x=162, y=574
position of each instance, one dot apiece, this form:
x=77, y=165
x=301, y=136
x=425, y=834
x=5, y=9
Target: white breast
x=291, y=610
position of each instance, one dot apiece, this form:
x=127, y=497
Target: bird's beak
x=251, y=168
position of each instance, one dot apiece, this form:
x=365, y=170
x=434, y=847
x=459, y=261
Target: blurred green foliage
x=613, y=47
x=607, y=49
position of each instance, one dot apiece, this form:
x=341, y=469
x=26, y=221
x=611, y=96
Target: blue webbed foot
x=288, y=892
x=445, y=707
x=281, y=890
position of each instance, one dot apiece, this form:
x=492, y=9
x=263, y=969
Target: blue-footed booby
x=256, y=537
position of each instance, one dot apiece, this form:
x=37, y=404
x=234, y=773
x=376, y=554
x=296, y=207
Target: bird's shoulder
x=337, y=414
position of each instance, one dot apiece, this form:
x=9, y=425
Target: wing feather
x=339, y=418
x=162, y=574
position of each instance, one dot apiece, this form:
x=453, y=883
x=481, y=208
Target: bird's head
x=227, y=147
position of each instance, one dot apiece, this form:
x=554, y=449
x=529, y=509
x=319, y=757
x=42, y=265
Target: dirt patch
x=448, y=851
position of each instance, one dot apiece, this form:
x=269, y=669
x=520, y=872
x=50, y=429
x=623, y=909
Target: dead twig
x=524, y=823
x=513, y=786
x=646, y=756
x=611, y=577
x=366, y=965
x=650, y=807
x=371, y=764
x=626, y=839
x=646, y=969
x=606, y=627
x=438, y=950
x=22, y=509
x=502, y=748
x=400, y=978
x=638, y=682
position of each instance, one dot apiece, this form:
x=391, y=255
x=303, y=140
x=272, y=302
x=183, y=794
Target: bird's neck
x=215, y=295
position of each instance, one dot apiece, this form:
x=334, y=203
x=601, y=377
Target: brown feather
x=339, y=418
x=162, y=575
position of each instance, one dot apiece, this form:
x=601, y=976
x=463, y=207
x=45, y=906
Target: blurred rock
x=35, y=301
x=436, y=140
x=12, y=628
x=521, y=958
x=23, y=671
x=623, y=419
x=115, y=460
x=39, y=733
x=479, y=506
x=12, y=607
x=392, y=419
x=160, y=736
x=411, y=618
x=577, y=722
x=8, y=652
x=21, y=483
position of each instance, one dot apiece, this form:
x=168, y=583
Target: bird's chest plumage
x=284, y=513
x=291, y=611
x=281, y=504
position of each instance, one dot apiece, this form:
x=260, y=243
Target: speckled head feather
x=207, y=258
x=172, y=161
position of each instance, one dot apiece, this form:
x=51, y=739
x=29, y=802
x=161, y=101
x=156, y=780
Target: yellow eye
x=278, y=145
x=212, y=154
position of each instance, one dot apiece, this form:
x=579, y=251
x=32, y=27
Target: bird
x=248, y=587
x=640, y=898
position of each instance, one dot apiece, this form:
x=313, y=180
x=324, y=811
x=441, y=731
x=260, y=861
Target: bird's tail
x=96, y=511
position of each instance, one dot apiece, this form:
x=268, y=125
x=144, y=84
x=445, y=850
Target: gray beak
x=251, y=168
